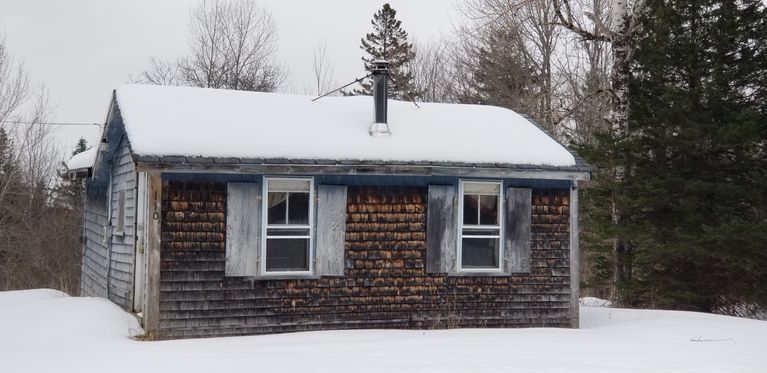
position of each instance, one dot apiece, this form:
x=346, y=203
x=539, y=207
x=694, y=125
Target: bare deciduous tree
x=618, y=32
x=39, y=239
x=432, y=69
x=569, y=93
x=496, y=71
x=615, y=29
x=159, y=73
x=39, y=152
x=14, y=85
x=14, y=92
x=322, y=68
x=232, y=46
x=585, y=68
x=532, y=42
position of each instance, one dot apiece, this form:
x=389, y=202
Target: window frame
x=265, y=227
x=462, y=227
x=120, y=226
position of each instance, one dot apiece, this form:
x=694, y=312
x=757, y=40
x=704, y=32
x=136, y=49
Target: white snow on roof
x=84, y=159
x=186, y=121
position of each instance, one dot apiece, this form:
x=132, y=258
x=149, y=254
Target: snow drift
x=47, y=331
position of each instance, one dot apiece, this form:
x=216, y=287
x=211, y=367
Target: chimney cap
x=379, y=66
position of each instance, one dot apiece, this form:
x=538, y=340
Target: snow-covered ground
x=48, y=331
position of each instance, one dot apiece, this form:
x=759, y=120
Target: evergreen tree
x=501, y=75
x=388, y=41
x=693, y=198
x=10, y=178
x=11, y=202
x=6, y=155
x=70, y=192
x=82, y=145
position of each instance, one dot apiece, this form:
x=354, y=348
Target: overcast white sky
x=82, y=49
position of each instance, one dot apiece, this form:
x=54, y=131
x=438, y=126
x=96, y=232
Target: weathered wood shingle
x=108, y=253
x=385, y=286
x=93, y=278
x=122, y=242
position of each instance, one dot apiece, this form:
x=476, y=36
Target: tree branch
x=568, y=22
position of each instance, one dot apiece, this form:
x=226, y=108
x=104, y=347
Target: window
x=121, y=212
x=480, y=241
x=288, y=214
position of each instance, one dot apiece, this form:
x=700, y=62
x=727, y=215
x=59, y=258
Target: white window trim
x=500, y=228
x=108, y=227
x=120, y=226
x=265, y=226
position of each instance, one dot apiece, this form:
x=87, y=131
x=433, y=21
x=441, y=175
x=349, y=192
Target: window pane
x=488, y=210
x=277, y=204
x=298, y=208
x=287, y=255
x=286, y=232
x=480, y=252
x=470, y=209
x=289, y=185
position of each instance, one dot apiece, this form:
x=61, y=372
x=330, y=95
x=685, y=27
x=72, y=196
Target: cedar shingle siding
x=93, y=275
x=122, y=243
x=108, y=254
x=385, y=283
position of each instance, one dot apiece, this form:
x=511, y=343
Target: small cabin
x=215, y=213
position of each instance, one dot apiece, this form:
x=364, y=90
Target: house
x=213, y=212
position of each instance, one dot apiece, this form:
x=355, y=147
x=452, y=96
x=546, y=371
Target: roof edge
x=579, y=161
x=329, y=167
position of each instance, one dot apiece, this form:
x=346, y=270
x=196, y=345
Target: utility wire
x=408, y=97
x=340, y=88
x=55, y=123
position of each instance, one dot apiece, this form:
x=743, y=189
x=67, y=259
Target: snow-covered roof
x=84, y=159
x=198, y=122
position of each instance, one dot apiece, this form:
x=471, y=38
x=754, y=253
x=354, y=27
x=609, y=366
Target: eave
x=580, y=172
x=78, y=173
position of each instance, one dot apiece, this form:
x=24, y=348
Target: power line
x=55, y=123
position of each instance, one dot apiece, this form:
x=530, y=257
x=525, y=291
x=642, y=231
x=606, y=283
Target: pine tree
x=70, y=192
x=501, y=75
x=693, y=198
x=10, y=177
x=388, y=41
x=11, y=202
x=81, y=146
x=6, y=155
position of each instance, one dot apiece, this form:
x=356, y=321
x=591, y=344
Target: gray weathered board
x=517, y=232
x=243, y=228
x=331, y=229
x=153, y=224
x=574, y=258
x=442, y=229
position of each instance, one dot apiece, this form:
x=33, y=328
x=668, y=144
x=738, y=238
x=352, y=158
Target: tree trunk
x=619, y=114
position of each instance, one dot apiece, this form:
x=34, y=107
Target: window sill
x=477, y=273
x=288, y=276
